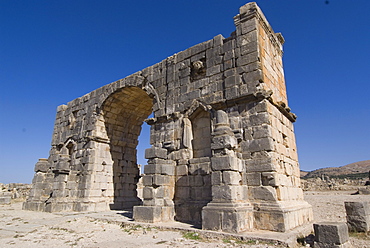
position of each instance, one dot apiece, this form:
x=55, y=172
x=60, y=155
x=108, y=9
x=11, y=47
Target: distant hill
x=361, y=169
x=304, y=173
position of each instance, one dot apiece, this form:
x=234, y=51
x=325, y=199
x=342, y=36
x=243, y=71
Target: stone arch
x=124, y=112
x=249, y=129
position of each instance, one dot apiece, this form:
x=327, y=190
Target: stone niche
x=223, y=152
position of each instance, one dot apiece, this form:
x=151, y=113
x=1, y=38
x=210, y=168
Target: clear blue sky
x=52, y=52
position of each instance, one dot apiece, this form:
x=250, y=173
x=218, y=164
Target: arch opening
x=124, y=113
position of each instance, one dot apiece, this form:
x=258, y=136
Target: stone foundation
x=233, y=218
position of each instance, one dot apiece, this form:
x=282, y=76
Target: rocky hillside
x=361, y=168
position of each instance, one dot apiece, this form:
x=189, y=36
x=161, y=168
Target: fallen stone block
x=331, y=234
x=358, y=216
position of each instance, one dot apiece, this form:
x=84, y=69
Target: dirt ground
x=19, y=228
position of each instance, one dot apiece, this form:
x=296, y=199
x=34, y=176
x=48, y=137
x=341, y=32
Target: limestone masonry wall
x=223, y=150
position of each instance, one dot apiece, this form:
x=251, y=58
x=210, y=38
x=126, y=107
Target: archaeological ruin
x=223, y=152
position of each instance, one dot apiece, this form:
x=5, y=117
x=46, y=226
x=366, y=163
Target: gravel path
x=20, y=228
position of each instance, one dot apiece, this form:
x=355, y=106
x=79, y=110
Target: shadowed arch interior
x=124, y=112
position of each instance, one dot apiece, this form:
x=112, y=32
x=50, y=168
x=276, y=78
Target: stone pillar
x=229, y=210
x=358, y=216
x=158, y=189
x=42, y=186
x=268, y=147
x=331, y=234
x=57, y=201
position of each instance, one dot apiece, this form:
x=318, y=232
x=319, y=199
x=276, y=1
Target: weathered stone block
x=226, y=163
x=153, y=169
x=148, y=192
x=262, y=131
x=225, y=141
x=227, y=217
x=212, y=219
x=269, y=179
x=159, y=167
x=155, y=152
x=263, y=144
x=181, y=170
x=216, y=178
x=334, y=233
x=358, y=216
x=161, y=180
x=260, y=165
x=264, y=193
x=248, y=26
x=228, y=193
x=204, y=168
x=42, y=165
x=232, y=92
x=253, y=179
x=231, y=177
x=232, y=81
x=168, y=170
x=248, y=58
x=147, y=214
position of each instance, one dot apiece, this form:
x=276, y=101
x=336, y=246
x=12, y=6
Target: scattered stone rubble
x=223, y=151
x=362, y=186
x=13, y=191
x=335, y=234
x=327, y=183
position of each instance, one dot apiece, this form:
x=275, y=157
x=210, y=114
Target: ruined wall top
x=244, y=66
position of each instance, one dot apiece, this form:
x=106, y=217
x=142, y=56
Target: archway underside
x=124, y=113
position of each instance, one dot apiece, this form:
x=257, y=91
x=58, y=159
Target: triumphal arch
x=223, y=152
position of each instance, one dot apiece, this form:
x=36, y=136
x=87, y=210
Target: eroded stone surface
x=223, y=148
x=331, y=234
x=358, y=216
